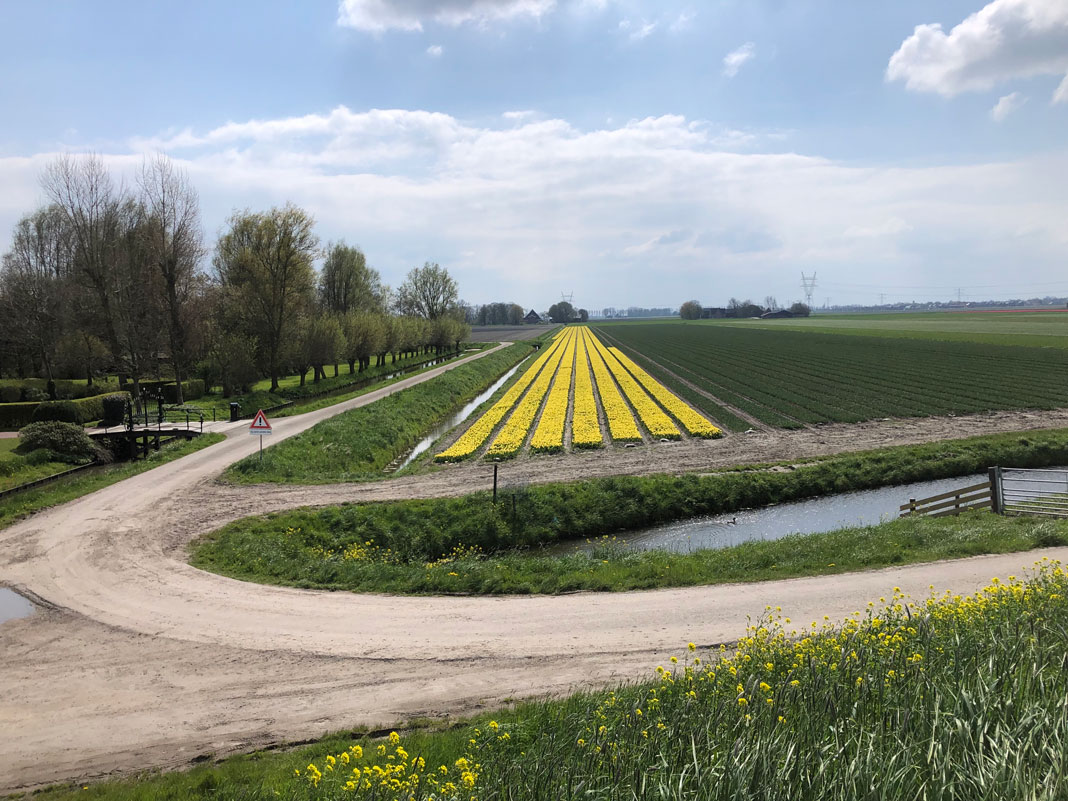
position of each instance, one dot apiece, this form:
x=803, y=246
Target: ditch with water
x=442, y=428
x=812, y=516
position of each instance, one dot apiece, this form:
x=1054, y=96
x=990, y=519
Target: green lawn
x=25, y=503
x=358, y=444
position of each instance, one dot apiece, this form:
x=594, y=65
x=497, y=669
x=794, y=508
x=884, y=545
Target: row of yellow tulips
x=652, y=416
x=477, y=434
x=514, y=432
x=585, y=429
x=549, y=435
x=695, y=424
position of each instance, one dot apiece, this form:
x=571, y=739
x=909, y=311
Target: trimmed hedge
x=114, y=408
x=30, y=390
x=191, y=389
x=84, y=410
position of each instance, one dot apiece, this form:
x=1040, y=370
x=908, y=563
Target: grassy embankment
x=15, y=469
x=470, y=545
x=358, y=444
x=949, y=698
x=63, y=490
x=339, y=388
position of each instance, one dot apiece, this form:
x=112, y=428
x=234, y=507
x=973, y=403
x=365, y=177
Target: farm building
x=713, y=313
x=532, y=318
x=778, y=314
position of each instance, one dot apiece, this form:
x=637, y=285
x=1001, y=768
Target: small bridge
x=150, y=438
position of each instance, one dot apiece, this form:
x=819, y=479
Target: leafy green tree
x=347, y=284
x=562, y=312
x=265, y=260
x=690, y=310
x=428, y=292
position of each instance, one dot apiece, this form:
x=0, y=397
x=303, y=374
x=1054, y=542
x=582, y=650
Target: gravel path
x=141, y=661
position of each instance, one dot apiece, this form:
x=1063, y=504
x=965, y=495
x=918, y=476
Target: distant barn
x=713, y=313
x=778, y=314
x=532, y=317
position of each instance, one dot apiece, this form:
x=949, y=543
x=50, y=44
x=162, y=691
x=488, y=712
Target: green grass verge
x=258, y=551
x=386, y=546
x=358, y=444
x=950, y=698
x=24, y=503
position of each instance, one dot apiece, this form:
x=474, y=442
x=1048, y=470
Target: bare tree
x=110, y=254
x=175, y=249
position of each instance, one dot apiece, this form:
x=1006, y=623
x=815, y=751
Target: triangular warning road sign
x=259, y=424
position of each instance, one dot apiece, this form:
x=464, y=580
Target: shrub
x=63, y=411
x=114, y=408
x=10, y=394
x=40, y=456
x=14, y=416
x=34, y=394
x=66, y=441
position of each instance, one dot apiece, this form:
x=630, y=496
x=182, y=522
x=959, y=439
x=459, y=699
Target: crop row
x=790, y=377
x=549, y=435
x=566, y=383
x=513, y=434
x=479, y=432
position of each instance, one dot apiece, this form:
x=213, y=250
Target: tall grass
x=948, y=698
x=951, y=698
x=259, y=551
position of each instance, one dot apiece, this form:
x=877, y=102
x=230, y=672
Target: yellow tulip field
x=579, y=394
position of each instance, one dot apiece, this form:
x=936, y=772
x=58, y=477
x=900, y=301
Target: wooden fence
x=976, y=496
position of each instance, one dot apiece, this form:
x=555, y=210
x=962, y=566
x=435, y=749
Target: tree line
x=692, y=309
x=110, y=278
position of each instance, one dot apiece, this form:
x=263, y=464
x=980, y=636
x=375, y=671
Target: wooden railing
x=977, y=496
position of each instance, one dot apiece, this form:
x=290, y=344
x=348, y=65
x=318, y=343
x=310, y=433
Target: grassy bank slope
x=416, y=546
x=359, y=443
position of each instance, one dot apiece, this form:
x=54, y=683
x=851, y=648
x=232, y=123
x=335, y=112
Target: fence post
x=997, y=501
x=495, y=483
x=912, y=506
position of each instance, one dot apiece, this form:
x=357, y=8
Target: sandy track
x=142, y=661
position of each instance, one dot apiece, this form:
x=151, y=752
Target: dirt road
x=140, y=661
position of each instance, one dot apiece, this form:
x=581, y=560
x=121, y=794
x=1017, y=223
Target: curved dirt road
x=141, y=661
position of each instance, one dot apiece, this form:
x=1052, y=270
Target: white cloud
x=733, y=61
x=1006, y=105
x=377, y=16
x=1061, y=94
x=627, y=212
x=682, y=21
x=1006, y=39
x=434, y=51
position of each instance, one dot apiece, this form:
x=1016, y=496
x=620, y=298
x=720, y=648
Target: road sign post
x=260, y=426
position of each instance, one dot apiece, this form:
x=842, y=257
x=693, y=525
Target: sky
x=621, y=152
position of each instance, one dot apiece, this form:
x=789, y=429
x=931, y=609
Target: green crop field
x=1038, y=329
x=792, y=376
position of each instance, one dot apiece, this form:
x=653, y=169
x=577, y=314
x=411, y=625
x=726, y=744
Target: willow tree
x=265, y=260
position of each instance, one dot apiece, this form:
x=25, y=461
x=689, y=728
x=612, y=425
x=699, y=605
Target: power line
x=808, y=285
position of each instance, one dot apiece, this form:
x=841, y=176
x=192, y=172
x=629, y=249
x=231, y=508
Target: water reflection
x=443, y=428
x=812, y=516
x=13, y=605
